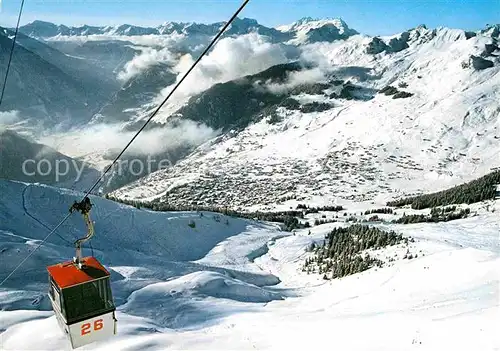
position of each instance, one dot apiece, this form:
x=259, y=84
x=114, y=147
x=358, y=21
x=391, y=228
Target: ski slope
x=239, y=285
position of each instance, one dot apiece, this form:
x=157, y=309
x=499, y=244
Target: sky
x=382, y=17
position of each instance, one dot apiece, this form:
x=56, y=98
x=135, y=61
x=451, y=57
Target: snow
x=376, y=149
x=230, y=283
x=239, y=286
x=445, y=134
x=305, y=26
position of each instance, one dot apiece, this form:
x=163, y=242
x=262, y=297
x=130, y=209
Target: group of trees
x=480, y=189
x=308, y=209
x=437, y=215
x=388, y=90
x=380, y=210
x=436, y=211
x=340, y=254
x=315, y=107
x=374, y=219
x=402, y=95
x=135, y=203
x=396, y=94
x=290, y=223
x=318, y=221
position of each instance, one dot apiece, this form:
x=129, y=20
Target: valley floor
x=227, y=294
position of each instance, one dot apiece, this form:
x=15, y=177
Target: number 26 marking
x=86, y=327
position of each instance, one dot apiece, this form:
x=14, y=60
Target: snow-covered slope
x=309, y=30
x=215, y=286
x=369, y=147
x=160, y=245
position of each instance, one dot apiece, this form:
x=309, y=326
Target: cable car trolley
x=80, y=292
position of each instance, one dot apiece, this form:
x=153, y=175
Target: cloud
x=294, y=79
x=147, y=58
x=185, y=132
x=323, y=61
x=9, y=117
x=101, y=138
x=318, y=54
x=231, y=58
x=151, y=40
x=153, y=49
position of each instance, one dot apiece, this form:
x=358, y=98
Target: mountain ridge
x=42, y=29
x=45, y=29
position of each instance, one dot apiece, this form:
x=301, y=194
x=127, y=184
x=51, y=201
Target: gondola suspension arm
x=84, y=208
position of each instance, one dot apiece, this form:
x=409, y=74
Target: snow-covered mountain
x=310, y=110
x=147, y=57
x=124, y=52
x=309, y=30
x=419, y=112
x=240, y=26
x=48, y=87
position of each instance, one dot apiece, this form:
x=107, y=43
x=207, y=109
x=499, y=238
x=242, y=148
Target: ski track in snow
x=239, y=285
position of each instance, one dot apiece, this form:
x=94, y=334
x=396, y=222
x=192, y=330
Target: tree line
x=436, y=215
x=308, y=209
x=287, y=218
x=480, y=189
x=380, y=210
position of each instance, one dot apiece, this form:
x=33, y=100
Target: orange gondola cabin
x=81, y=297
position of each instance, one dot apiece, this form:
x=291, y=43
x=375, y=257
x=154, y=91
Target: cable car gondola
x=80, y=292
